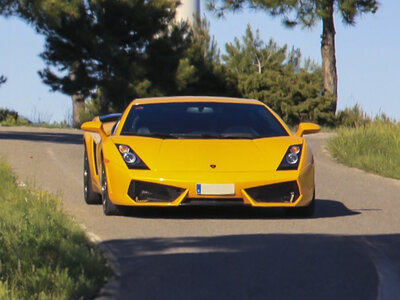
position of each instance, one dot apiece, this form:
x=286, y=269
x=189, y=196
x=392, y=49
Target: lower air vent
x=212, y=202
x=279, y=192
x=141, y=191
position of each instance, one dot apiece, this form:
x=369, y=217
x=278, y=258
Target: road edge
x=110, y=288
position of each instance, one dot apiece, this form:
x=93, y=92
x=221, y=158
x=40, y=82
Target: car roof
x=194, y=99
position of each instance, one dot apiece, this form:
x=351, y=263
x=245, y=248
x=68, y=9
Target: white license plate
x=215, y=189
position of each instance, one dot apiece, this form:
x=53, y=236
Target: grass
x=373, y=147
x=43, y=253
x=59, y=125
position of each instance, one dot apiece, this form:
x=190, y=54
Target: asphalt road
x=350, y=250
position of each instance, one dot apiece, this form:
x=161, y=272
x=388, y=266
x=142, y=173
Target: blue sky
x=367, y=60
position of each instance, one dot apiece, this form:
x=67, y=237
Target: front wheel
x=303, y=211
x=90, y=196
x=109, y=208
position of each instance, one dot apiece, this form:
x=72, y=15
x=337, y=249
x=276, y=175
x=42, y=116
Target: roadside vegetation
x=62, y=124
x=43, y=253
x=11, y=118
x=369, y=144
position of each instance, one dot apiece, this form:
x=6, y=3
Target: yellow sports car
x=177, y=151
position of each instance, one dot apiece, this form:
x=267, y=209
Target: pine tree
x=200, y=71
x=306, y=13
x=45, y=15
x=114, y=45
x=274, y=75
x=126, y=48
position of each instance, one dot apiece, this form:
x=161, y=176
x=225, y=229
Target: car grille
x=141, y=191
x=279, y=192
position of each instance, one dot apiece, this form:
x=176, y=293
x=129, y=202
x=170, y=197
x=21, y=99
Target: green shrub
x=11, y=118
x=11, y=121
x=352, y=117
x=91, y=107
x=4, y=113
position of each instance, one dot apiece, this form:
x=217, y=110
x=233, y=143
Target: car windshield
x=210, y=120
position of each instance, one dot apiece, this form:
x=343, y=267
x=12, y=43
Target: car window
x=202, y=120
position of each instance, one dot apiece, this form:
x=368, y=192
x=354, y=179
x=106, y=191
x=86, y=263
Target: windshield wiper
x=197, y=135
x=159, y=135
x=237, y=135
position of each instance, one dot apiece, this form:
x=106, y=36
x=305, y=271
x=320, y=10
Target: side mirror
x=307, y=128
x=94, y=126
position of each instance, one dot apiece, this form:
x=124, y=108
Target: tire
x=90, y=196
x=109, y=208
x=303, y=211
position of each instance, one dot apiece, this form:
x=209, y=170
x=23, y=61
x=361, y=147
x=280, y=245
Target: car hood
x=203, y=155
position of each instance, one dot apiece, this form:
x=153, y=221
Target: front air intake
x=142, y=191
x=278, y=192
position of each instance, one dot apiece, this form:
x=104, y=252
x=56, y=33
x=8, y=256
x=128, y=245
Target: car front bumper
x=258, y=189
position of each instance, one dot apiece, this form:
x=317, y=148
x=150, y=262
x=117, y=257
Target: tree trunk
x=104, y=108
x=77, y=99
x=77, y=106
x=328, y=55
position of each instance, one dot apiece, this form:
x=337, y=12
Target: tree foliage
x=3, y=79
x=299, y=12
x=126, y=48
x=274, y=75
x=7, y=7
x=112, y=51
x=306, y=13
x=43, y=14
x=122, y=49
x=200, y=71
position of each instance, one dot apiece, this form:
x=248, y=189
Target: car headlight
x=131, y=159
x=291, y=159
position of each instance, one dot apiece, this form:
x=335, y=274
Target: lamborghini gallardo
x=178, y=151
